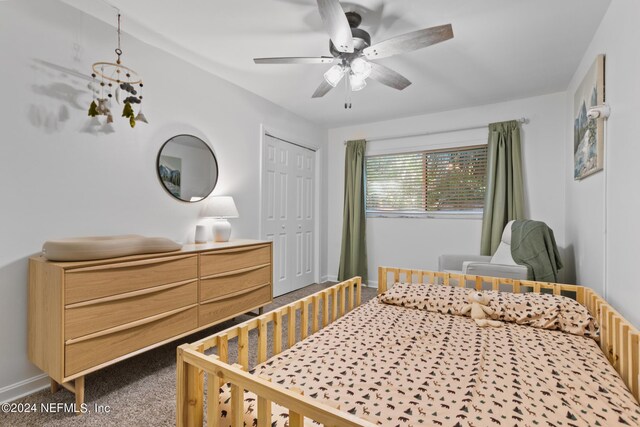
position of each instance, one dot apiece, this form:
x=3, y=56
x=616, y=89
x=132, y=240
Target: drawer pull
x=129, y=294
x=234, y=250
x=129, y=325
x=240, y=271
x=235, y=294
x=129, y=264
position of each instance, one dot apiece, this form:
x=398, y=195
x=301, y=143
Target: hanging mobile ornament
x=121, y=79
x=141, y=117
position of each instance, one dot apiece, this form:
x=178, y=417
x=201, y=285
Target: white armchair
x=501, y=264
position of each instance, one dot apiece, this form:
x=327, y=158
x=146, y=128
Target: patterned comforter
x=398, y=366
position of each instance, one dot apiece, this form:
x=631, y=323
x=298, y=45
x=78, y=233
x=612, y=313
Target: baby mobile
x=114, y=80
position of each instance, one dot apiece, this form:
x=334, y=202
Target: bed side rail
x=310, y=314
x=391, y=275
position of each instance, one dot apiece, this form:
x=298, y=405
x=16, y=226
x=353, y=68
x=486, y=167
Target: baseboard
x=371, y=284
x=24, y=388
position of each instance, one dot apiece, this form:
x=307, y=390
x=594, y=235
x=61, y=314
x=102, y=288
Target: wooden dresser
x=86, y=315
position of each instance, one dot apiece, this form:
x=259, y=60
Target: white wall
x=60, y=180
x=602, y=225
x=417, y=243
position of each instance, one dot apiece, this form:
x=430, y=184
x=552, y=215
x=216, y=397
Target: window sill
x=426, y=215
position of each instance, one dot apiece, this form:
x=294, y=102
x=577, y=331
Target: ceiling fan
x=352, y=51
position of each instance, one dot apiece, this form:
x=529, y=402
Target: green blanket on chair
x=533, y=245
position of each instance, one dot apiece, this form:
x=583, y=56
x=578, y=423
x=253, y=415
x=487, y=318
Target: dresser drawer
x=96, y=315
x=233, y=304
x=86, y=353
x=100, y=281
x=233, y=259
x=230, y=282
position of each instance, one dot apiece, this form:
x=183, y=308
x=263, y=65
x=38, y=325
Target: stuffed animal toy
x=478, y=305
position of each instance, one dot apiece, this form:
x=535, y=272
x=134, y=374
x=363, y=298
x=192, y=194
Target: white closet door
x=288, y=212
x=303, y=221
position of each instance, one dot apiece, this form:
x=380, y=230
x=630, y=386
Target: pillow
x=537, y=310
x=576, y=319
x=545, y=311
x=434, y=298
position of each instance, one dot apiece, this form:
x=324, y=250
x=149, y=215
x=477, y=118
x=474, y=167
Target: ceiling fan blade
x=322, y=90
x=388, y=77
x=409, y=42
x=295, y=60
x=336, y=24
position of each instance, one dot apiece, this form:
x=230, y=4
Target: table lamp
x=220, y=208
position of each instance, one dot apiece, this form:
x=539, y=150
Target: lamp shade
x=334, y=75
x=357, y=83
x=221, y=207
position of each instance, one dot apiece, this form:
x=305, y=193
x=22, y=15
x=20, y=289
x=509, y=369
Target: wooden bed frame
x=619, y=341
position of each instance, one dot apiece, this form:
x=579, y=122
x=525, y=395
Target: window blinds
x=451, y=180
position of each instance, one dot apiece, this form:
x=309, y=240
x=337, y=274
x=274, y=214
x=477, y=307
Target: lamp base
x=201, y=234
x=221, y=230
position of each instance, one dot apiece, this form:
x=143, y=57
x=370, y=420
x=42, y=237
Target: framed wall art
x=588, y=133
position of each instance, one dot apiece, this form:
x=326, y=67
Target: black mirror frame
x=215, y=161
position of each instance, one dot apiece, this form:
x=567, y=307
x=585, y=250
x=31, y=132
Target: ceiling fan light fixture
x=361, y=67
x=334, y=75
x=357, y=82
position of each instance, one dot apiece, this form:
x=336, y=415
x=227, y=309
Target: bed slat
x=334, y=304
x=262, y=340
x=634, y=376
x=304, y=321
x=478, y=283
x=264, y=409
x=291, y=326
x=223, y=348
x=315, y=302
x=277, y=333
x=237, y=406
x=189, y=392
x=325, y=309
x=617, y=342
x=213, y=400
x=296, y=419
x=243, y=347
x=625, y=360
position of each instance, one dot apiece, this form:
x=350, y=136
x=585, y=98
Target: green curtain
x=353, y=255
x=504, y=197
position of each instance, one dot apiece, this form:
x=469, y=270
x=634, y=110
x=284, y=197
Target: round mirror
x=187, y=168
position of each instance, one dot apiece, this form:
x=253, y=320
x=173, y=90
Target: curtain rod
x=523, y=120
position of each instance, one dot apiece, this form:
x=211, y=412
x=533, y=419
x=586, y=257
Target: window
x=439, y=181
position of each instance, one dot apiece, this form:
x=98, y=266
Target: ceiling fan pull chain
x=347, y=92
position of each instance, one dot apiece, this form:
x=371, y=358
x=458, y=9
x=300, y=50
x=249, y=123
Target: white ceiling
x=502, y=49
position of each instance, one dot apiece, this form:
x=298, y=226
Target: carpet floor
x=140, y=391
